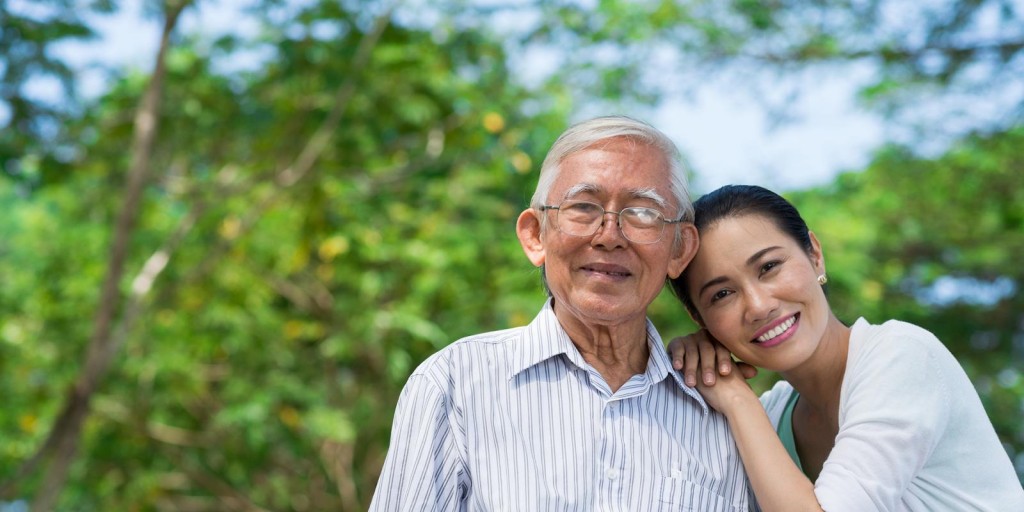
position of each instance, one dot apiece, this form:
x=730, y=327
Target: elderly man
x=581, y=409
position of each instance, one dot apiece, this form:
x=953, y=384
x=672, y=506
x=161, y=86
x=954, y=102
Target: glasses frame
x=618, y=219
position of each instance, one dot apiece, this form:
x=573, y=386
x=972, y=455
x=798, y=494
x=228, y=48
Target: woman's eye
x=768, y=267
x=720, y=294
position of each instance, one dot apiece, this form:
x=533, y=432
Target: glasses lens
x=583, y=218
x=642, y=225
x=579, y=218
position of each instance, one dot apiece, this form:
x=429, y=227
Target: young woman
x=869, y=417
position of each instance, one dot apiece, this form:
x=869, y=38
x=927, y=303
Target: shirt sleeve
x=423, y=470
x=895, y=409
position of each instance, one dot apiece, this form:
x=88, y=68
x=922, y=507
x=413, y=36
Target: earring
x=822, y=279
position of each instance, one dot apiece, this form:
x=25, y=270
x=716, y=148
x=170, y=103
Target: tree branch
x=62, y=442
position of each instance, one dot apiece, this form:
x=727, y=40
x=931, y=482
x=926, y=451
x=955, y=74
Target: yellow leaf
x=493, y=122
x=230, y=228
x=521, y=161
x=289, y=416
x=332, y=247
x=292, y=329
x=28, y=423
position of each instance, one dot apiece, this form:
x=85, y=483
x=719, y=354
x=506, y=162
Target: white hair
x=587, y=133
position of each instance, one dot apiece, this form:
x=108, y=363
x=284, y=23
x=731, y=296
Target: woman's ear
x=528, y=229
x=816, y=255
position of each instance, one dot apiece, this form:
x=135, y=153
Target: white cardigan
x=913, y=434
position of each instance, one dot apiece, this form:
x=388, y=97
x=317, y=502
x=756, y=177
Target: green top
x=785, y=429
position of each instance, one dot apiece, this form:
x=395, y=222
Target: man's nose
x=609, y=233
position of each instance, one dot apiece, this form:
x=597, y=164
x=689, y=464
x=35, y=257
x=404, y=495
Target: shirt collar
x=545, y=338
x=659, y=365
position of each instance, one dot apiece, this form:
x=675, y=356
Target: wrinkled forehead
x=618, y=168
x=588, y=190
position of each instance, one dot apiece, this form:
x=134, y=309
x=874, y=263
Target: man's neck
x=617, y=352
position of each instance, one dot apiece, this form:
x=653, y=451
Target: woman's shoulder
x=894, y=337
x=901, y=364
x=774, y=400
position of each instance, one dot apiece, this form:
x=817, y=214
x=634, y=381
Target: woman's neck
x=819, y=380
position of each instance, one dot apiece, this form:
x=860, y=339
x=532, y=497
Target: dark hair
x=737, y=201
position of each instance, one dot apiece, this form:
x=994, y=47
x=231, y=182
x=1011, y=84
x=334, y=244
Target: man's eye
x=583, y=208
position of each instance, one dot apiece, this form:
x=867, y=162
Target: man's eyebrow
x=651, y=194
x=648, y=193
x=581, y=188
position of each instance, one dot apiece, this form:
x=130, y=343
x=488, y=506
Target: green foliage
x=268, y=358
x=265, y=362
x=29, y=119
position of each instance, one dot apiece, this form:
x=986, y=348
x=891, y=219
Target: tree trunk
x=62, y=443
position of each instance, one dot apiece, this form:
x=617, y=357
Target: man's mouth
x=607, y=269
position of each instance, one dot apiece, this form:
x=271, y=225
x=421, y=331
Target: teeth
x=779, y=329
x=610, y=273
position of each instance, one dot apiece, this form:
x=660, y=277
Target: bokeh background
x=230, y=230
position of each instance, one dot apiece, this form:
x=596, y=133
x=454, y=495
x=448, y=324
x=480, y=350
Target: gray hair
x=587, y=133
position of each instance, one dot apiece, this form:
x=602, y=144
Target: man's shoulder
x=471, y=349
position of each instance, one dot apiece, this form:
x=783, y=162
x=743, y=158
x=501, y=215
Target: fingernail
x=691, y=380
x=707, y=377
x=724, y=367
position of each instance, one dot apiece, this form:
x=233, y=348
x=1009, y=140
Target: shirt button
x=611, y=474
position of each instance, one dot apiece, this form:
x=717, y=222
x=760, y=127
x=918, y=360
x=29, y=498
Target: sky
x=724, y=132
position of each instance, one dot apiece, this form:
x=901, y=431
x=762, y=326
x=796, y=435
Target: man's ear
x=528, y=229
x=683, y=251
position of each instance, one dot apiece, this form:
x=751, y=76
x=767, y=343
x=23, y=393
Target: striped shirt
x=517, y=420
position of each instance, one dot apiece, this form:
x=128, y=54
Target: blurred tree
x=333, y=200
x=316, y=227
x=30, y=119
x=958, y=62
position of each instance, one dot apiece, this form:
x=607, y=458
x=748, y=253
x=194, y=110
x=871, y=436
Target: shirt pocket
x=677, y=493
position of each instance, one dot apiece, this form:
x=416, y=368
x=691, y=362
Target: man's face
x=605, y=279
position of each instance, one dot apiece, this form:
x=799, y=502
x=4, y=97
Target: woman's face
x=757, y=292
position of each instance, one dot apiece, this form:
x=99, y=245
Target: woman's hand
x=731, y=394
x=701, y=351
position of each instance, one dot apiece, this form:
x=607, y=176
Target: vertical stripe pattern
x=517, y=420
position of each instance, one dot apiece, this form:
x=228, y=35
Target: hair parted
x=737, y=201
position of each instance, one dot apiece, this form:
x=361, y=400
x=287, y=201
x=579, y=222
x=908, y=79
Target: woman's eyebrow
x=757, y=255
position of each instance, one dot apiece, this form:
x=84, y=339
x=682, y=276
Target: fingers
x=676, y=352
x=685, y=357
x=748, y=371
x=700, y=354
x=708, y=358
x=724, y=359
x=691, y=360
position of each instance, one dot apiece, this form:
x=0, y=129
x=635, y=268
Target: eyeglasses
x=582, y=218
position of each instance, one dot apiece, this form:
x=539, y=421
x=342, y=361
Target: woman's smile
x=772, y=336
